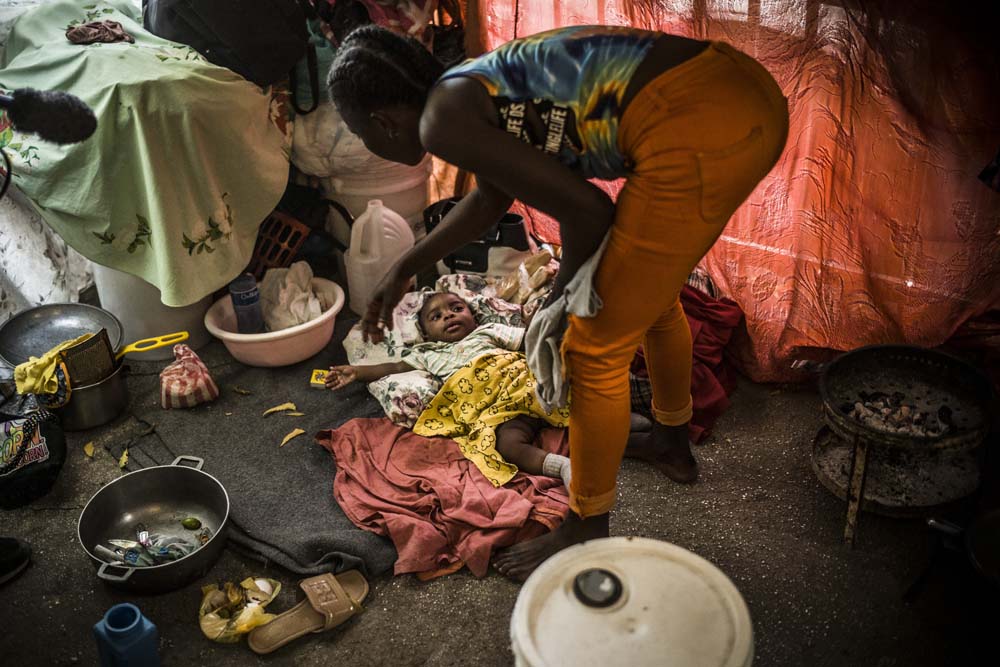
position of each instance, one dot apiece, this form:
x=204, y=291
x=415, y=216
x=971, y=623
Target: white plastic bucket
x=662, y=606
x=400, y=187
x=323, y=146
x=379, y=237
x=137, y=304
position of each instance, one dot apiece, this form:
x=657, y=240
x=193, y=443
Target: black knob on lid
x=597, y=588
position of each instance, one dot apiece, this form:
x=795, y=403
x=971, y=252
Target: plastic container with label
x=379, y=237
x=246, y=304
x=630, y=601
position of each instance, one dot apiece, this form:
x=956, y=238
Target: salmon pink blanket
x=438, y=509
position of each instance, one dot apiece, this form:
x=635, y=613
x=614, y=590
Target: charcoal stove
x=931, y=384
x=899, y=483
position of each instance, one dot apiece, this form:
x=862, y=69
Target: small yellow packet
x=318, y=378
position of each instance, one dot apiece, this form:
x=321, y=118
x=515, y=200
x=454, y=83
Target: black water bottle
x=246, y=304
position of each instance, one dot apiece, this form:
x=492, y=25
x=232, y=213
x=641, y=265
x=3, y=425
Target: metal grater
x=89, y=362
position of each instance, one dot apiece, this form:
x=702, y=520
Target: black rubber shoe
x=15, y=555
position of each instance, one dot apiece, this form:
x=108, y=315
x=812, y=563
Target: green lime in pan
x=191, y=523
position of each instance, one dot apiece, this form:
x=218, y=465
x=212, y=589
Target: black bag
x=32, y=448
x=261, y=40
x=497, y=252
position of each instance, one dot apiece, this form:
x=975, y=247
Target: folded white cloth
x=543, y=339
x=287, y=297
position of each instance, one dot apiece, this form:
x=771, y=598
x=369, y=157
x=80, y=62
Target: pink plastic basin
x=275, y=348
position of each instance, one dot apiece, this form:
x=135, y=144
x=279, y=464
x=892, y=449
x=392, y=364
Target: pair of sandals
x=330, y=601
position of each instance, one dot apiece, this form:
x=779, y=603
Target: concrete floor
x=758, y=513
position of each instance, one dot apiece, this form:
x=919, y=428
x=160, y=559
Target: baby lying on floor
x=487, y=403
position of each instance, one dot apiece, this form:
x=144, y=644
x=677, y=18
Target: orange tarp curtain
x=873, y=227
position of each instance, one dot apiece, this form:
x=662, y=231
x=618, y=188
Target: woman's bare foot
x=667, y=449
x=520, y=560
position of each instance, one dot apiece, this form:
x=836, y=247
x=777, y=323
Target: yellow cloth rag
x=478, y=398
x=38, y=374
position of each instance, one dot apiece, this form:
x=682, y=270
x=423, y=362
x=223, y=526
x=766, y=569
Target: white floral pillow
x=487, y=308
x=403, y=396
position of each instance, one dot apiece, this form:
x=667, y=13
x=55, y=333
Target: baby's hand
x=341, y=376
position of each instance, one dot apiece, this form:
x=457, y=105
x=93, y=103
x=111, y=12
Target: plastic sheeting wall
x=873, y=227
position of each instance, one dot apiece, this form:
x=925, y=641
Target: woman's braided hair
x=376, y=68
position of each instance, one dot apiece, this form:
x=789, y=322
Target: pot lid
x=630, y=601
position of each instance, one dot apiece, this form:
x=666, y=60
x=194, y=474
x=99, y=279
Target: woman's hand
x=379, y=312
x=465, y=222
x=341, y=376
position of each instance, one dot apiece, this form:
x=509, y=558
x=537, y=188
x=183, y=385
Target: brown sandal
x=330, y=600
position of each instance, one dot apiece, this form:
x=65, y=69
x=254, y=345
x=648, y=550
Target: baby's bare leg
x=516, y=444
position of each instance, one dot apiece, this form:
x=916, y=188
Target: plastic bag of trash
x=232, y=611
x=531, y=276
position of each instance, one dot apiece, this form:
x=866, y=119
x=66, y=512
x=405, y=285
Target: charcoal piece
x=944, y=415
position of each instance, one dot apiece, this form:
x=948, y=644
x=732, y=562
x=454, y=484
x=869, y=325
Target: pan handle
x=809, y=366
x=946, y=527
x=198, y=463
x=104, y=573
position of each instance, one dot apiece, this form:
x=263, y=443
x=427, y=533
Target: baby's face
x=446, y=318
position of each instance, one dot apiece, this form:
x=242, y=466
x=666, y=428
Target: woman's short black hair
x=376, y=68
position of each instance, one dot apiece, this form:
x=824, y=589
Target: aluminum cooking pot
x=33, y=331
x=159, y=497
x=96, y=404
x=36, y=330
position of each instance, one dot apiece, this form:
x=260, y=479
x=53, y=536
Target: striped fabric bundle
x=186, y=382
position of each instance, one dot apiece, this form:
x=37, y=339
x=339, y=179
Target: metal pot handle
x=809, y=366
x=198, y=463
x=946, y=527
x=103, y=573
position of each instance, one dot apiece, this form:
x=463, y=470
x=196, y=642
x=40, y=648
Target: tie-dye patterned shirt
x=561, y=91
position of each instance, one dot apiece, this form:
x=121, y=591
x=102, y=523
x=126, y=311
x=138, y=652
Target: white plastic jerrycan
x=379, y=237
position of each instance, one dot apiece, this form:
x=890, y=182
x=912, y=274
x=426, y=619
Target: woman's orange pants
x=701, y=136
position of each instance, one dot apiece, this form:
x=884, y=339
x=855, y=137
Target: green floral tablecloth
x=187, y=160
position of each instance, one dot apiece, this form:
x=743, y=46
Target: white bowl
x=276, y=348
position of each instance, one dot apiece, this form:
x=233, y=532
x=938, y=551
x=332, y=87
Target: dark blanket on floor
x=713, y=379
x=434, y=504
x=282, y=510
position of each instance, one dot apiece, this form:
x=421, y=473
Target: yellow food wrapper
x=228, y=613
x=280, y=408
x=291, y=434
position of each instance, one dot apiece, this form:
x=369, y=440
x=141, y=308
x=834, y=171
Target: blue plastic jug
x=126, y=637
